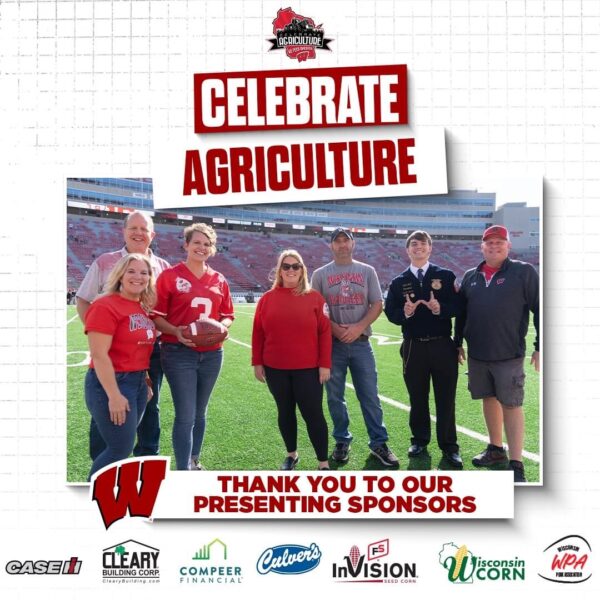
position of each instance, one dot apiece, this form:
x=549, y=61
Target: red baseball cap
x=495, y=231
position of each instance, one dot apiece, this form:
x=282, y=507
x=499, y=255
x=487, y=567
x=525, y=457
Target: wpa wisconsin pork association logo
x=289, y=559
x=567, y=560
x=297, y=35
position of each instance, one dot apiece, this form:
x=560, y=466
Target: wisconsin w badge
x=137, y=482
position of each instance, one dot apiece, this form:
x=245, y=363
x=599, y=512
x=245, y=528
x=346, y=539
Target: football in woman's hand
x=205, y=332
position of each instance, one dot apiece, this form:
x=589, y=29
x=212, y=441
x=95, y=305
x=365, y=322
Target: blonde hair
x=207, y=230
x=113, y=282
x=303, y=286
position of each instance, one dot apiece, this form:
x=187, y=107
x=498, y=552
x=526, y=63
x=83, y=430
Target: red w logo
x=124, y=477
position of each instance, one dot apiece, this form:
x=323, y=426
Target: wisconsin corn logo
x=462, y=566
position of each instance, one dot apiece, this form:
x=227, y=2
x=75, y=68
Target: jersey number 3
x=204, y=304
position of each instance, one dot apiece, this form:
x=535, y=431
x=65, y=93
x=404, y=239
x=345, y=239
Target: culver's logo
x=289, y=559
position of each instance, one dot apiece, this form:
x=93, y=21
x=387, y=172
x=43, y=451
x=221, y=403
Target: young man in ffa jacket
x=422, y=300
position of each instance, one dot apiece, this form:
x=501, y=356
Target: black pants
x=299, y=387
x=435, y=361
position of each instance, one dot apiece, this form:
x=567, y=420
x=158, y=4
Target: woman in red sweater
x=291, y=351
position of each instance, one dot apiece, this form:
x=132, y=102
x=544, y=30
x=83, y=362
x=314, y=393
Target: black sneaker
x=518, y=471
x=341, y=452
x=385, y=455
x=289, y=464
x=196, y=465
x=490, y=457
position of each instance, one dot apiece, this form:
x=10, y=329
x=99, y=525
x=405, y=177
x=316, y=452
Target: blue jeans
x=358, y=357
x=192, y=376
x=148, y=431
x=118, y=439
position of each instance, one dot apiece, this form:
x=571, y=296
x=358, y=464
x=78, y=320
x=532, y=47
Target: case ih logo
x=567, y=560
x=44, y=567
x=137, y=482
x=298, y=35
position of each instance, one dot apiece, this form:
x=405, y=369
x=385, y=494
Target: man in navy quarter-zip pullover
x=422, y=300
x=498, y=296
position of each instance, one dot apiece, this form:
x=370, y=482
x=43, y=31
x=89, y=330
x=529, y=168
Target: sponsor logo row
x=566, y=560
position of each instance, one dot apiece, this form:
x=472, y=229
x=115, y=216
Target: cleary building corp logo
x=289, y=559
x=137, y=482
x=371, y=568
x=212, y=566
x=130, y=562
x=567, y=560
x=297, y=35
x=463, y=567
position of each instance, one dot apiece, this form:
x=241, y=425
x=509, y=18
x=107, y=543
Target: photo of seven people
x=135, y=307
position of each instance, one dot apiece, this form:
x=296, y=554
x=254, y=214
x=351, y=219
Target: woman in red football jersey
x=121, y=337
x=188, y=292
x=294, y=366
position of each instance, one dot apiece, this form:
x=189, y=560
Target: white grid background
x=85, y=89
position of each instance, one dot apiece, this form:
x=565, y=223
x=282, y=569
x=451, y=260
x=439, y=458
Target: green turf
x=242, y=431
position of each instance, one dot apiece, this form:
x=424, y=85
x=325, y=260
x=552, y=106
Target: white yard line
x=405, y=407
x=76, y=316
x=239, y=342
x=463, y=430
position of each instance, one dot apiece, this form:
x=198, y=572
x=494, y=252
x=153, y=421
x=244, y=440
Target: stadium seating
x=247, y=258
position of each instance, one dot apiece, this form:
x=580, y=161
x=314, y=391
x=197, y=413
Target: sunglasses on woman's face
x=287, y=266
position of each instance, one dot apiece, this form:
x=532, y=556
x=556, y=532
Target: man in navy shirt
x=498, y=296
x=422, y=300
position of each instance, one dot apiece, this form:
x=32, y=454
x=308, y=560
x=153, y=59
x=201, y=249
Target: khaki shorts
x=503, y=379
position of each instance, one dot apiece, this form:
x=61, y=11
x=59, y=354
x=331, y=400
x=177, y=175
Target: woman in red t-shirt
x=188, y=292
x=121, y=337
x=291, y=351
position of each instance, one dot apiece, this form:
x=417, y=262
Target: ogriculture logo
x=464, y=567
x=298, y=35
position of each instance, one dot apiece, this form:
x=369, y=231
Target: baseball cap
x=497, y=231
x=343, y=230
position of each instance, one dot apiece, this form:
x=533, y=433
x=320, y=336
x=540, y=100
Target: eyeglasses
x=287, y=266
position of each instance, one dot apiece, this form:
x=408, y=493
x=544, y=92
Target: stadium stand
x=246, y=258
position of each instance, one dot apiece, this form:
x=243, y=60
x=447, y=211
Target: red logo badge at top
x=297, y=35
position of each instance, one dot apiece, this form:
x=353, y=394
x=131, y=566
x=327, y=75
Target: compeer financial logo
x=44, y=567
x=137, y=481
x=567, y=560
x=297, y=35
x=290, y=559
x=130, y=562
x=464, y=567
x=212, y=566
x=370, y=568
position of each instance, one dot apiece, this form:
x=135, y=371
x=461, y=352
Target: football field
x=242, y=433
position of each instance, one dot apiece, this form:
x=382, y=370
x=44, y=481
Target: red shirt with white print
x=132, y=330
x=184, y=298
